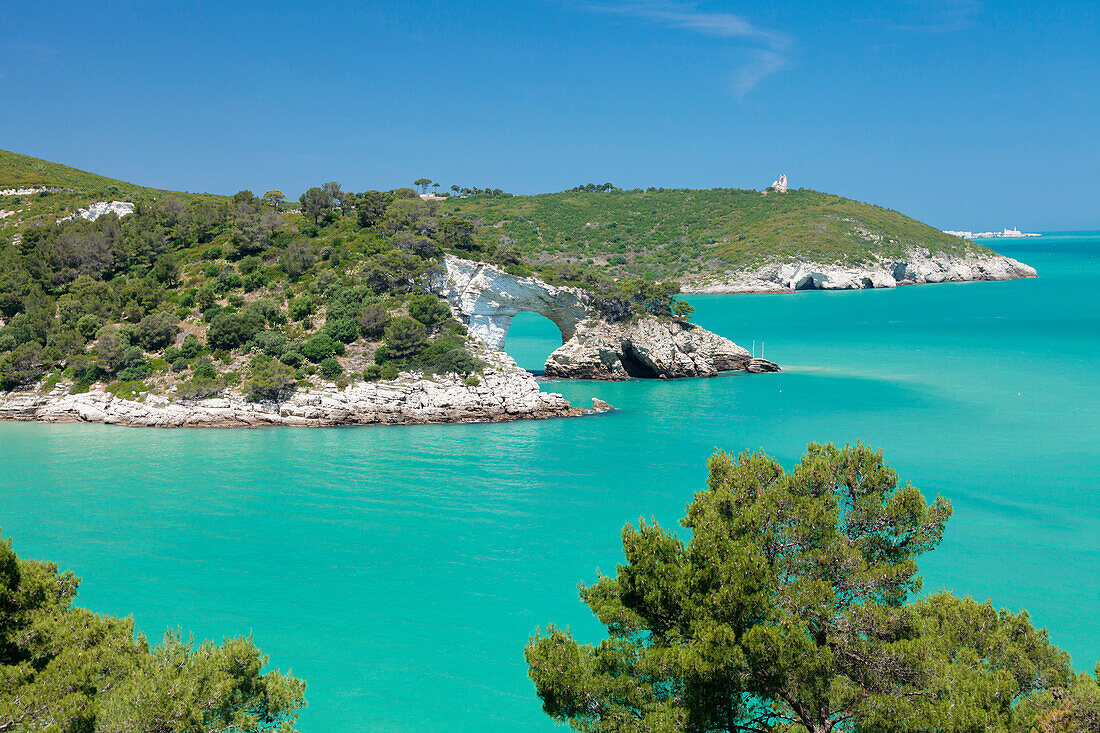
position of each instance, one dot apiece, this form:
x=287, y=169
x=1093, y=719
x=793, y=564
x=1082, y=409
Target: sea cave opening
x=531, y=339
x=634, y=365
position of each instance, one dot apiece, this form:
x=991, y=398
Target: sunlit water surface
x=400, y=570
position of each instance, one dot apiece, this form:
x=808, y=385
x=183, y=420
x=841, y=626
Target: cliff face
x=506, y=392
x=917, y=267
x=486, y=298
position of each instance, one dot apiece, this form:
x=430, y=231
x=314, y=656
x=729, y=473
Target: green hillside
x=193, y=295
x=77, y=189
x=674, y=233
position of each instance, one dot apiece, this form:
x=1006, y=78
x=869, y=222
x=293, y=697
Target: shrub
x=179, y=365
x=89, y=325
x=292, y=357
x=213, y=252
x=230, y=330
x=330, y=368
x=472, y=381
x=204, y=369
x=372, y=373
x=373, y=320
x=205, y=298
x=389, y=371
x=192, y=347
x=429, y=310
x=404, y=338
x=199, y=388
x=343, y=303
x=157, y=330
x=302, y=307
x=127, y=389
x=342, y=329
x=271, y=343
x=268, y=379
x=321, y=347
x=270, y=310
x=135, y=373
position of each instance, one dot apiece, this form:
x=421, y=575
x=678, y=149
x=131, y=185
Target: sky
x=967, y=114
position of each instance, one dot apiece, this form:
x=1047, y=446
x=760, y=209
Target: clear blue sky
x=963, y=113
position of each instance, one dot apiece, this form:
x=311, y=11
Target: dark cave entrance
x=634, y=366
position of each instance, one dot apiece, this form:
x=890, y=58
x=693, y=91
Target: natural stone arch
x=488, y=298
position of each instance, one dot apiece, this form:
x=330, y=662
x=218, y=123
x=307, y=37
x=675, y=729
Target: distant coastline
x=1004, y=234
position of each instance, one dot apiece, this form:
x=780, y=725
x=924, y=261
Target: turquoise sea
x=400, y=570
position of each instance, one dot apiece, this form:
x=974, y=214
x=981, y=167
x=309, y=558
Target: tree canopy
x=790, y=609
x=67, y=669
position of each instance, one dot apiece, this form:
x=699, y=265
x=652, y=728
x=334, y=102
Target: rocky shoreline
x=917, y=267
x=505, y=392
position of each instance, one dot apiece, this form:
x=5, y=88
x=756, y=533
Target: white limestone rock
x=918, y=266
x=486, y=298
x=99, y=208
x=644, y=348
x=505, y=392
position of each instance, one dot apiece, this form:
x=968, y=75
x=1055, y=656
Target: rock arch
x=487, y=299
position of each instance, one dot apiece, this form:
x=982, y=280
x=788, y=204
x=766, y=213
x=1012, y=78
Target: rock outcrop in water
x=505, y=392
x=917, y=267
x=646, y=348
x=486, y=298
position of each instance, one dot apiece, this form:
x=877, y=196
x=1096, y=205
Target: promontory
x=130, y=305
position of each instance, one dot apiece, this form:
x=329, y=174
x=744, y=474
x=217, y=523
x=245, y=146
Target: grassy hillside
x=675, y=233
x=77, y=189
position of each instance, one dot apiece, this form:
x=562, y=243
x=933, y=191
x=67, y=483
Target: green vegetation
x=680, y=233
x=192, y=295
x=791, y=609
x=67, y=669
x=343, y=281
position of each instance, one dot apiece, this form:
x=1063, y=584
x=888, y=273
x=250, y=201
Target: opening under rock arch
x=532, y=337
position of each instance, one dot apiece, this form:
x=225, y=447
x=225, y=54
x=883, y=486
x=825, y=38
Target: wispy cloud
x=768, y=50
x=935, y=16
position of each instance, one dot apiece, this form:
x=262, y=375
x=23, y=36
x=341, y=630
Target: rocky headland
x=485, y=299
x=504, y=392
x=917, y=267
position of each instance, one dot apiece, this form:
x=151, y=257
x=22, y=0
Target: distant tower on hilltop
x=781, y=184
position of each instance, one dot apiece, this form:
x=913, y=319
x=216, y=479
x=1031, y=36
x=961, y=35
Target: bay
x=400, y=570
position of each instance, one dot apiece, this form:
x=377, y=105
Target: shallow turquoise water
x=400, y=570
